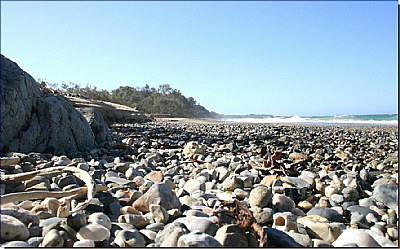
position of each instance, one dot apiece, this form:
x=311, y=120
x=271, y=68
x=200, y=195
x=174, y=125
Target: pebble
x=327, y=213
x=260, y=196
x=93, y=231
x=101, y=219
x=129, y=238
x=53, y=239
x=356, y=236
x=197, y=239
x=153, y=187
x=13, y=229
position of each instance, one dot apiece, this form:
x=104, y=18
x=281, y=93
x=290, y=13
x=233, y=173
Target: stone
x=231, y=183
x=387, y=194
x=261, y=196
x=53, y=239
x=13, y=229
x=16, y=244
x=34, y=241
x=331, y=190
x=197, y=239
x=203, y=225
x=155, y=227
x=138, y=221
x=336, y=198
x=101, y=219
x=231, y=236
x=76, y=221
x=84, y=243
x=302, y=239
x=240, y=193
x=282, y=203
x=277, y=238
x=97, y=124
x=93, y=231
x=359, y=237
x=318, y=227
x=192, y=185
x=285, y=221
x=192, y=148
x=350, y=194
x=159, y=213
x=129, y=238
x=155, y=176
x=168, y=237
x=327, y=213
x=305, y=206
x=160, y=194
x=263, y=215
x=36, y=121
x=296, y=182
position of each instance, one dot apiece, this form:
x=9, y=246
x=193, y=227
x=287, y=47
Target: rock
x=263, y=215
x=282, y=203
x=101, y=219
x=350, y=194
x=155, y=227
x=155, y=176
x=84, y=243
x=240, y=193
x=169, y=236
x=331, y=190
x=203, y=225
x=53, y=239
x=197, y=239
x=305, y=206
x=382, y=240
x=159, y=213
x=192, y=148
x=231, y=236
x=261, y=196
x=97, y=124
x=336, y=198
x=192, y=185
x=34, y=241
x=387, y=194
x=296, y=182
x=93, y=231
x=35, y=121
x=138, y=221
x=13, y=229
x=285, y=221
x=160, y=194
x=359, y=237
x=231, y=183
x=16, y=244
x=302, y=239
x=318, y=227
x=76, y=221
x=129, y=238
x=327, y=213
x=277, y=238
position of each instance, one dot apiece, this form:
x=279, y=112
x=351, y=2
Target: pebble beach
x=204, y=183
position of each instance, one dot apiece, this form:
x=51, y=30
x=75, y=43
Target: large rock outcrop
x=32, y=121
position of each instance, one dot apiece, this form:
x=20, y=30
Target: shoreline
x=311, y=124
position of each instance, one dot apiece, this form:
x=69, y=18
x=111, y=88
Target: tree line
x=161, y=101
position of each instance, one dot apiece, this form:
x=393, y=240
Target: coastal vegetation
x=163, y=101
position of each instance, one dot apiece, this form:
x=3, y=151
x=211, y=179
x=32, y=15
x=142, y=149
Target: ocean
x=348, y=120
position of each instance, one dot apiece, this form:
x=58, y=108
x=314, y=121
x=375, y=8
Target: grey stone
x=16, y=244
x=129, y=238
x=97, y=124
x=260, y=196
x=296, y=182
x=170, y=234
x=53, y=239
x=197, y=239
x=35, y=121
x=327, y=213
x=76, y=221
x=387, y=194
x=203, y=225
x=231, y=236
x=13, y=229
x=160, y=194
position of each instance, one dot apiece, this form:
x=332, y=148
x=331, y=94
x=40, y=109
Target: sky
x=270, y=57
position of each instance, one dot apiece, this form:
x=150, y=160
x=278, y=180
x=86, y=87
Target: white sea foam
x=336, y=120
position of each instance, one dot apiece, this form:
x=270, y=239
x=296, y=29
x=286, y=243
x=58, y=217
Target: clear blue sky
x=281, y=58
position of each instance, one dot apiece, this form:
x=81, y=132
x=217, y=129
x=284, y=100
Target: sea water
x=364, y=120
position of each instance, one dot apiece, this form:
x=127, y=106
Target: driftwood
x=244, y=218
x=90, y=190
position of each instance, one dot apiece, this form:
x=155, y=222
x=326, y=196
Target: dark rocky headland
x=77, y=174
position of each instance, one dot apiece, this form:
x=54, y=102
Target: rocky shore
x=208, y=184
